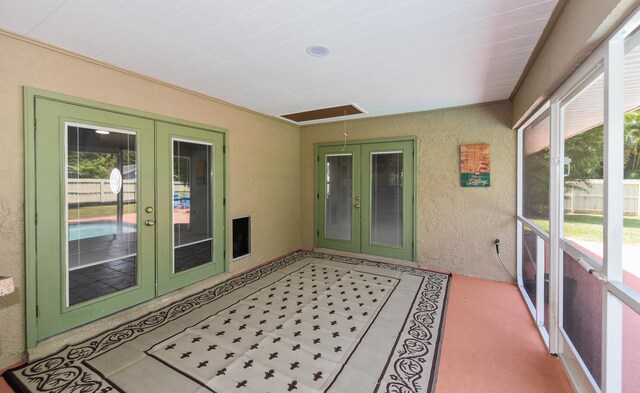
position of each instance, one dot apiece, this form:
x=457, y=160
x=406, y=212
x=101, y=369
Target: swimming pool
x=85, y=230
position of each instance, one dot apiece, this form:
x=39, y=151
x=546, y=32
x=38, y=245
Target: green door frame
x=320, y=147
x=30, y=95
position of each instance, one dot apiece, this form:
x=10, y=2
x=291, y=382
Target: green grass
x=99, y=211
x=589, y=228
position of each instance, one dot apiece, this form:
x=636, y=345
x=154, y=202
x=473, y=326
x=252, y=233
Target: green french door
x=365, y=198
x=127, y=208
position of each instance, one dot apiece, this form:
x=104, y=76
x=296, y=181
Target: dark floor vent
x=241, y=237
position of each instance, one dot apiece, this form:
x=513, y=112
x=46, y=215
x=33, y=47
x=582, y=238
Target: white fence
x=96, y=191
x=591, y=198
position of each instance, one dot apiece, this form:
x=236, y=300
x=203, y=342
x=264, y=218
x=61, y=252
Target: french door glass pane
x=631, y=185
x=339, y=194
x=582, y=314
x=630, y=350
x=192, y=214
x=386, y=198
x=583, y=170
x=101, y=212
x=535, y=173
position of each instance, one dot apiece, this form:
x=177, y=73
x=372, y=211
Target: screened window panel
x=631, y=183
x=583, y=170
x=535, y=178
x=529, y=255
x=582, y=314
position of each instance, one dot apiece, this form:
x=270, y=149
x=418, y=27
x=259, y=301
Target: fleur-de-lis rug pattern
x=308, y=322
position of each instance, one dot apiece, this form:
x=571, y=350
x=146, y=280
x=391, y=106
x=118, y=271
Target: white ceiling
x=386, y=56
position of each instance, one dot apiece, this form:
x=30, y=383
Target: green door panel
x=393, y=176
x=56, y=312
x=338, y=198
x=190, y=175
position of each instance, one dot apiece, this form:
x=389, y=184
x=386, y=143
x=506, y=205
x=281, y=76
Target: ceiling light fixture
x=103, y=132
x=317, y=50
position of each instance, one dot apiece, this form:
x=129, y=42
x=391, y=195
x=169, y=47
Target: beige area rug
x=308, y=322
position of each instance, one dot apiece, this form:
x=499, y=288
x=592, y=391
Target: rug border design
x=65, y=370
x=407, y=370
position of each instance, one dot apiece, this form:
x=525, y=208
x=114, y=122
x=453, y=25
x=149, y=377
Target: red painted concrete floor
x=4, y=388
x=491, y=343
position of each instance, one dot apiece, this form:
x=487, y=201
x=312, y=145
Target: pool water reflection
x=84, y=230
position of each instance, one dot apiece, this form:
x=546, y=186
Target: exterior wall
x=456, y=226
x=580, y=27
x=263, y=151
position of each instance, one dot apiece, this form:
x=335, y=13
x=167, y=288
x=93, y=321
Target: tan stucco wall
x=580, y=27
x=264, y=158
x=455, y=226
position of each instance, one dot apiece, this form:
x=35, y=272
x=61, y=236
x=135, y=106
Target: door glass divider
x=101, y=262
x=195, y=242
x=388, y=152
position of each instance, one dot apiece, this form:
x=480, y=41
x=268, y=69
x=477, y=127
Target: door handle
x=357, y=206
x=149, y=223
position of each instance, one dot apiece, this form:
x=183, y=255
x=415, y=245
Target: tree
x=632, y=145
x=87, y=165
x=586, y=153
